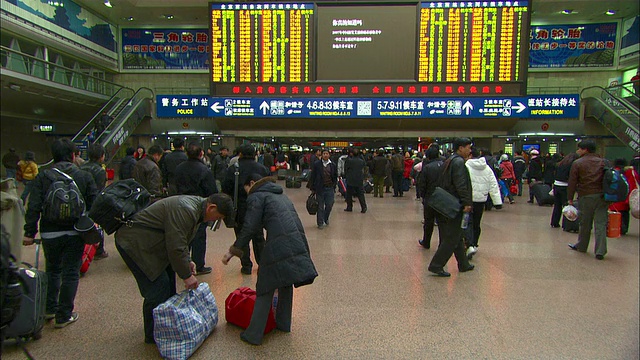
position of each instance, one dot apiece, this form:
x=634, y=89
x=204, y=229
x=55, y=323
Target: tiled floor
x=530, y=296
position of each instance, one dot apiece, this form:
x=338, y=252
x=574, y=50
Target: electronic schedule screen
x=473, y=41
x=376, y=49
x=255, y=42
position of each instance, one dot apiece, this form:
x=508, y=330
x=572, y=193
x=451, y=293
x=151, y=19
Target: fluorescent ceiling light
x=567, y=11
x=107, y=3
x=610, y=12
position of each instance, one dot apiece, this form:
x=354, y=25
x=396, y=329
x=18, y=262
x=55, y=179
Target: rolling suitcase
x=282, y=174
x=30, y=319
x=87, y=257
x=541, y=194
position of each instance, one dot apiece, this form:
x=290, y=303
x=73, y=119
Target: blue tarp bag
x=182, y=323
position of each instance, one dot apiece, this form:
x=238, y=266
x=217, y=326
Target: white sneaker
x=472, y=250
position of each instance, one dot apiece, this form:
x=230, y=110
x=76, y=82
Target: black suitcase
x=293, y=182
x=368, y=187
x=30, y=319
x=541, y=194
x=117, y=203
x=282, y=174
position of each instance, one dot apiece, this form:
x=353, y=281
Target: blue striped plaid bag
x=182, y=323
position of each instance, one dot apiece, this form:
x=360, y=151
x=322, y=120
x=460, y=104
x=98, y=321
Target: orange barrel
x=614, y=224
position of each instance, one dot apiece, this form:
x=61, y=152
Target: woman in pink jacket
x=508, y=175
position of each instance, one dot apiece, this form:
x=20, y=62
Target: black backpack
x=63, y=201
x=11, y=286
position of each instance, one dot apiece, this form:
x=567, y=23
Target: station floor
x=529, y=297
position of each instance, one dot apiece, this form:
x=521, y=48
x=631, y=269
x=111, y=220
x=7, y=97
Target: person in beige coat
x=12, y=216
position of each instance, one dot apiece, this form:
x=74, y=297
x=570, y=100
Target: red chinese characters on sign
x=187, y=37
x=575, y=33
x=173, y=37
x=542, y=34
x=202, y=37
x=557, y=34
x=333, y=90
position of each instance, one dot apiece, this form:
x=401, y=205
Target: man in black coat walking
x=354, y=172
x=455, y=180
x=170, y=162
x=245, y=166
x=192, y=177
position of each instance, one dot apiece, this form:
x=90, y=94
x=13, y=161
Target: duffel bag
x=117, y=203
x=239, y=308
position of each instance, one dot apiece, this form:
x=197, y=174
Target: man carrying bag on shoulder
x=455, y=180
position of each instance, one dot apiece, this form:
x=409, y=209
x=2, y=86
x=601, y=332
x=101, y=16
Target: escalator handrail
x=83, y=132
x=613, y=111
x=633, y=94
x=625, y=103
x=119, y=120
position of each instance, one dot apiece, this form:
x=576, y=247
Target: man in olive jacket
x=285, y=262
x=156, y=246
x=455, y=179
x=147, y=172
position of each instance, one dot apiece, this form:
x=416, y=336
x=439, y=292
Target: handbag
x=239, y=309
x=89, y=233
x=444, y=203
x=312, y=204
x=514, y=188
x=182, y=323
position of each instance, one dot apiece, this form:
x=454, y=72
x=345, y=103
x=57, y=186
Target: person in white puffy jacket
x=483, y=183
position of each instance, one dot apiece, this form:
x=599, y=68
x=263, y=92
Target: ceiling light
x=567, y=12
x=168, y=17
x=610, y=12
x=107, y=3
x=130, y=18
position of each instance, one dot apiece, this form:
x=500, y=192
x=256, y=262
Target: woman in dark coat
x=285, y=260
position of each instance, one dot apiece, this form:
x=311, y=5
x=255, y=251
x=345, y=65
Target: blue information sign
x=534, y=106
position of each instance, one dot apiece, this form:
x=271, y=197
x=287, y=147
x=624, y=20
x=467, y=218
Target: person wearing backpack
x=94, y=167
x=585, y=178
x=61, y=243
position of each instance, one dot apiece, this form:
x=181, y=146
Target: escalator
x=616, y=108
x=126, y=117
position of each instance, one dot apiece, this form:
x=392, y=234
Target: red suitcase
x=110, y=174
x=239, y=308
x=87, y=257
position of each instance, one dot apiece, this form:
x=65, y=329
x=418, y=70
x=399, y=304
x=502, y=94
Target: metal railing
x=49, y=71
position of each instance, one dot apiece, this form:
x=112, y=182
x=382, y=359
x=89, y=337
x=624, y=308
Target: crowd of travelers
x=191, y=187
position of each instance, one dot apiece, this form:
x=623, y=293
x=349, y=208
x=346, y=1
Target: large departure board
x=473, y=41
x=256, y=42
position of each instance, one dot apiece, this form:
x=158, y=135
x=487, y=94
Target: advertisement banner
x=170, y=49
x=570, y=46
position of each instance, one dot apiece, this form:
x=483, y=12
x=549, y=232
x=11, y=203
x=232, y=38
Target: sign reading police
x=539, y=106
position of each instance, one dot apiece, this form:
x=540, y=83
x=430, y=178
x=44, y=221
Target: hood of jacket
x=266, y=184
x=66, y=167
x=477, y=163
